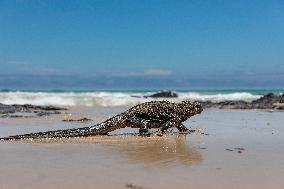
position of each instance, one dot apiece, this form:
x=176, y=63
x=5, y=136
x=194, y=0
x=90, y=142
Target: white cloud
x=147, y=72
x=157, y=72
x=22, y=67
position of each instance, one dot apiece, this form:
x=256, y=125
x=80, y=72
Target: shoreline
x=267, y=102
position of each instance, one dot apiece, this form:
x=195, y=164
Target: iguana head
x=190, y=108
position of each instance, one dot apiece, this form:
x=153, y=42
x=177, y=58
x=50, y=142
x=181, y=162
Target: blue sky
x=229, y=43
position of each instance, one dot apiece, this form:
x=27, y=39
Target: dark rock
x=228, y=149
x=47, y=113
x=266, y=102
x=269, y=98
x=133, y=186
x=16, y=116
x=136, y=96
x=280, y=107
x=241, y=149
x=226, y=105
x=163, y=94
x=46, y=108
x=84, y=119
x=281, y=98
x=8, y=110
x=269, y=101
x=269, y=95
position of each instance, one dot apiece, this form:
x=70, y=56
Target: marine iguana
x=154, y=114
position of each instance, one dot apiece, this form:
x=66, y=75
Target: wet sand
x=244, y=149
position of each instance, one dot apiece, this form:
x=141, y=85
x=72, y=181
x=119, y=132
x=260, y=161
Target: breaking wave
x=111, y=98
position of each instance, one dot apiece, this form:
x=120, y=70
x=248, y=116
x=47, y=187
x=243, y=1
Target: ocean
x=109, y=98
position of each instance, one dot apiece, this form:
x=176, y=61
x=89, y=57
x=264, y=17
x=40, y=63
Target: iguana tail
x=77, y=132
x=99, y=129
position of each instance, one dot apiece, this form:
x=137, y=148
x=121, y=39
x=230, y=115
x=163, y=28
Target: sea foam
x=111, y=98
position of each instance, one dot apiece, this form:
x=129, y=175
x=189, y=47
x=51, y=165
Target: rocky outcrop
x=269, y=101
x=83, y=119
x=163, y=94
x=10, y=110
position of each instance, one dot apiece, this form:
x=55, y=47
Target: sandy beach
x=243, y=149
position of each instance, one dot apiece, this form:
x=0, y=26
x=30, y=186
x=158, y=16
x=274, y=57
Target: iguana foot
x=143, y=131
x=145, y=134
x=159, y=134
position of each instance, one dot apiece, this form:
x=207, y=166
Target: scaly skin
x=155, y=114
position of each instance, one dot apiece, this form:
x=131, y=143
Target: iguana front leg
x=140, y=123
x=182, y=128
x=175, y=123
